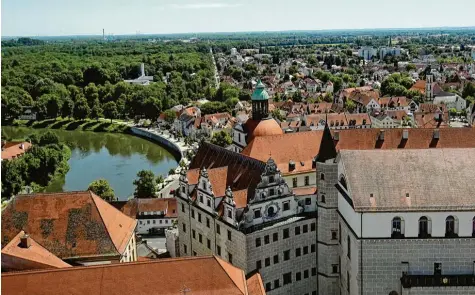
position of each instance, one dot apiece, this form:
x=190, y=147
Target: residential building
x=242, y=209
x=391, y=119
x=28, y=113
x=153, y=215
x=393, y=51
x=79, y=228
x=406, y=235
x=261, y=124
x=188, y=121
x=14, y=149
x=367, y=52
x=191, y=275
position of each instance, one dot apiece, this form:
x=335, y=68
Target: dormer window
x=208, y=202
x=271, y=192
x=230, y=214
x=204, y=185
x=271, y=179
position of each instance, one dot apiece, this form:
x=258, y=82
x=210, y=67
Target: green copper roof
x=260, y=92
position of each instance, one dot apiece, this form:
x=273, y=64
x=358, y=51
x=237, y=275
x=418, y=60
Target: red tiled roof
x=16, y=258
x=13, y=149
x=304, y=191
x=69, y=224
x=240, y=198
x=359, y=118
x=164, y=276
x=137, y=205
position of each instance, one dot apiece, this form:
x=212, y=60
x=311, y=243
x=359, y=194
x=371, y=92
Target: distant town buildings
x=367, y=52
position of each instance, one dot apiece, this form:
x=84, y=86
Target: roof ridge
x=217, y=259
x=103, y=222
x=26, y=272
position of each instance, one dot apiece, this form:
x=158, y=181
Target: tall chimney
x=142, y=69
x=25, y=241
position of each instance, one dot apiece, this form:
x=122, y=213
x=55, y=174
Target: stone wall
x=171, y=146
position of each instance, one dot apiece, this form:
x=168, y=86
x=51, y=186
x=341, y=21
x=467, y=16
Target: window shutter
x=402, y=226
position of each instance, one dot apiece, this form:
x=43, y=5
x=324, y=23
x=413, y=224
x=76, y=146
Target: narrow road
x=216, y=75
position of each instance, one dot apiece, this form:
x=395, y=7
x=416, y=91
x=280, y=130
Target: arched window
x=451, y=226
x=424, y=225
x=323, y=199
x=322, y=176
x=397, y=228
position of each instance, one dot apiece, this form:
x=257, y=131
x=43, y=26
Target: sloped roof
x=69, y=224
x=13, y=149
x=137, y=205
x=199, y=275
x=410, y=180
x=14, y=257
x=298, y=147
x=418, y=138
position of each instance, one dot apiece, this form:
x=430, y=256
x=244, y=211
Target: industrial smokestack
x=103, y=34
x=142, y=69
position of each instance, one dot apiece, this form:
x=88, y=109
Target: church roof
x=260, y=92
x=266, y=127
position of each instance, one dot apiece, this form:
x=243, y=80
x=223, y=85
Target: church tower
x=260, y=102
x=429, y=90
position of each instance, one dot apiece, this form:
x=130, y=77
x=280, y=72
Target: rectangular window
x=271, y=179
x=184, y=228
x=276, y=284
x=348, y=281
x=334, y=268
x=298, y=252
x=305, y=250
x=218, y=229
x=193, y=233
x=229, y=235
x=349, y=247
x=294, y=182
x=267, y=261
x=268, y=286
x=287, y=278
x=185, y=249
x=312, y=248
x=201, y=198
x=183, y=208
x=334, y=234
x=207, y=222
x=257, y=213
x=155, y=220
x=194, y=253
x=192, y=213
x=298, y=276
x=286, y=233
x=230, y=258
x=208, y=243
x=275, y=237
x=307, y=180
x=313, y=226
x=219, y=250
x=437, y=268
x=258, y=242
x=266, y=239
x=297, y=230
x=230, y=214
x=305, y=228
x=200, y=238
x=208, y=202
x=314, y=271
x=140, y=222
x=148, y=221
x=199, y=217
x=286, y=255
x=339, y=233
x=308, y=201
x=286, y=206
x=305, y=274
x=276, y=259
x=258, y=264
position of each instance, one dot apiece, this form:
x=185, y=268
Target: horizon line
x=257, y=31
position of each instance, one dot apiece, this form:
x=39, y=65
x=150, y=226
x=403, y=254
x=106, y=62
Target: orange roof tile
x=240, y=198
x=14, y=257
x=14, y=149
x=298, y=147
x=137, y=205
x=303, y=191
x=255, y=286
x=69, y=224
x=217, y=178
x=171, y=275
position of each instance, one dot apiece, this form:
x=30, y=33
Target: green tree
x=276, y=114
x=13, y=109
x=468, y=90
x=221, y=138
x=170, y=116
x=67, y=108
x=49, y=137
x=81, y=109
x=103, y=189
x=110, y=110
x=350, y=105
x=145, y=185
x=12, y=180
x=96, y=111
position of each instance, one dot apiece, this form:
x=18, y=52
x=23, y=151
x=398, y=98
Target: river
x=112, y=156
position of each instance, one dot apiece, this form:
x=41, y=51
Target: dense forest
x=85, y=79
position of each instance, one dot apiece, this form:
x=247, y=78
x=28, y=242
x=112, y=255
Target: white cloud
x=204, y=5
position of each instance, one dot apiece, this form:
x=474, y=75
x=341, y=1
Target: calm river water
x=115, y=157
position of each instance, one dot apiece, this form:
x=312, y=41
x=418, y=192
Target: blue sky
x=79, y=17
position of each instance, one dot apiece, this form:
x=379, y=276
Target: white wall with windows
x=146, y=224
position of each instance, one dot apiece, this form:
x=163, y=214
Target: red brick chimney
x=25, y=241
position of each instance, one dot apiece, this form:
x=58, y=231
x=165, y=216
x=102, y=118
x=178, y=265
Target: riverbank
x=100, y=125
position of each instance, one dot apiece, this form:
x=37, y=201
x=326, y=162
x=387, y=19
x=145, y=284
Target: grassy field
x=72, y=124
